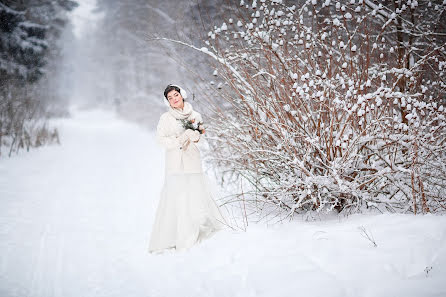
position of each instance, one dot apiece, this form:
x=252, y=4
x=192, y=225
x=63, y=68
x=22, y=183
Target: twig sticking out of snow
x=427, y=270
x=367, y=235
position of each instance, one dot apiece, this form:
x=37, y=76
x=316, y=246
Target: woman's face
x=175, y=99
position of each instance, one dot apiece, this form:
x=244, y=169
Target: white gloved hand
x=183, y=138
x=195, y=136
x=188, y=135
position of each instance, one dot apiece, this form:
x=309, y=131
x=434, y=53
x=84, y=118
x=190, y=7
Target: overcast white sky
x=83, y=16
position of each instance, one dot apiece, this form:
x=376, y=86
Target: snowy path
x=75, y=221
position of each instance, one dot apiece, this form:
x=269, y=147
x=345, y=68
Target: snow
x=10, y=10
x=75, y=220
x=84, y=16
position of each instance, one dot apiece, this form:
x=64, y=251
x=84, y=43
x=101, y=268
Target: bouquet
x=190, y=124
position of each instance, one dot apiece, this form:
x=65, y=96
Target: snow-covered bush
x=333, y=105
x=23, y=124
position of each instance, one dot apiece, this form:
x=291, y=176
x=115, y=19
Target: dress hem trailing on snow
x=186, y=214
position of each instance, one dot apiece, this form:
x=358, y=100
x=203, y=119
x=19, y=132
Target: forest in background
x=45, y=67
x=29, y=56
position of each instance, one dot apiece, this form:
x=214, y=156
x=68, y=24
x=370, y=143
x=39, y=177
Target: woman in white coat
x=186, y=212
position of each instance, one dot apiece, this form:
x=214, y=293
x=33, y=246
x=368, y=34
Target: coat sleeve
x=165, y=140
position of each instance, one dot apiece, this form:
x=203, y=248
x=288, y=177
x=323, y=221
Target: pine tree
x=22, y=46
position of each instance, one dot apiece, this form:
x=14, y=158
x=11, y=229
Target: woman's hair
x=170, y=88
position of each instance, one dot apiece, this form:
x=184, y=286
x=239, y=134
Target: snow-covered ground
x=75, y=220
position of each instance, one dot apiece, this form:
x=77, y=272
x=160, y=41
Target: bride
x=186, y=212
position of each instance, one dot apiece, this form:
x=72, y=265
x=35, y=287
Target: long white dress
x=187, y=212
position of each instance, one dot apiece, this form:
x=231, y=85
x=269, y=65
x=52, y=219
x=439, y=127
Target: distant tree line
x=29, y=30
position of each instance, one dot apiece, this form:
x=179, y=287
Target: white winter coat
x=178, y=159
